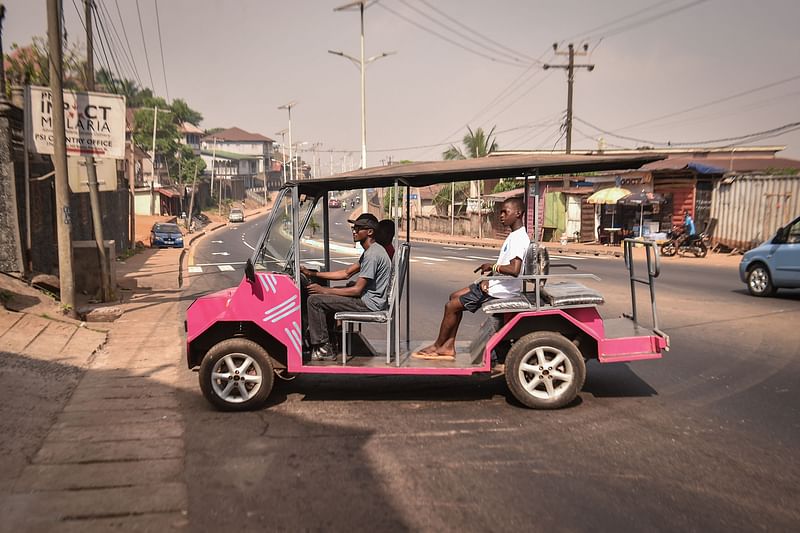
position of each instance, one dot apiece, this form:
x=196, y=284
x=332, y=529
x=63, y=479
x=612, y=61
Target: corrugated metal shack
x=750, y=208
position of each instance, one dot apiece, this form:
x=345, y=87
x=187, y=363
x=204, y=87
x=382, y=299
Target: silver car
x=236, y=215
x=774, y=264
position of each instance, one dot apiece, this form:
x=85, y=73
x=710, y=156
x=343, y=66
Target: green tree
x=28, y=65
x=506, y=185
x=443, y=197
x=184, y=113
x=476, y=144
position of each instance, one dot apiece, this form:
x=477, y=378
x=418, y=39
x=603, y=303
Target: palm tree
x=476, y=144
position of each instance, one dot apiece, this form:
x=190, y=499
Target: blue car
x=774, y=264
x=164, y=235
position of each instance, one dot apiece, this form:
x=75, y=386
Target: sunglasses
x=356, y=229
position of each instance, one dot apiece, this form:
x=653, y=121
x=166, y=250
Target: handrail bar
x=653, y=271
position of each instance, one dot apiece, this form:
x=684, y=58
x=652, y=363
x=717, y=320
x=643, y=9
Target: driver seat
x=386, y=316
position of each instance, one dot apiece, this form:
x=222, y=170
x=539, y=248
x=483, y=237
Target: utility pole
x=282, y=133
x=91, y=170
x=132, y=191
x=570, y=68
x=289, y=107
x=361, y=63
x=63, y=215
x=191, y=201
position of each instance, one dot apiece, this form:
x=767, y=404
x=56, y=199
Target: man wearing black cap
x=369, y=293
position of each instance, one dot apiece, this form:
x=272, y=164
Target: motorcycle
x=680, y=242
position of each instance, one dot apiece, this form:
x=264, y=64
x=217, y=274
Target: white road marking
x=217, y=264
x=481, y=258
x=458, y=258
x=342, y=262
x=436, y=259
x=217, y=242
x=195, y=269
x=454, y=247
x=225, y=268
x=315, y=263
x=220, y=253
x=413, y=260
x=568, y=257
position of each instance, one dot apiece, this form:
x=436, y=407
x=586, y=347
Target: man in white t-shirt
x=509, y=263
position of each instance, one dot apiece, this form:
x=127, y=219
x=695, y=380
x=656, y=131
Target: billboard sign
x=95, y=123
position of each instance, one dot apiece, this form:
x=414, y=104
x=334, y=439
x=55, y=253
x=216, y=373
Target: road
x=703, y=439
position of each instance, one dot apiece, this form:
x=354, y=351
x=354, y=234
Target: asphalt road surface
x=704, y=439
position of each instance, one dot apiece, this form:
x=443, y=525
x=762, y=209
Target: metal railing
x=653, y=271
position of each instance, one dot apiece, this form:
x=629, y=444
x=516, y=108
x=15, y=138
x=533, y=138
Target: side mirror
x=780, y=236
x=249, y=271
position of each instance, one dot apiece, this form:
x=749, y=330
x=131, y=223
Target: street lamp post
x=282, y=133
x=289, y=107
x=361, y=63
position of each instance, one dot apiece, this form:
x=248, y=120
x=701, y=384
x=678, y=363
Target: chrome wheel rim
x=546, y=373
x=758, y=280
x=236, y=378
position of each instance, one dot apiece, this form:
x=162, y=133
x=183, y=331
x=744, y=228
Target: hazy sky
x=237, y=61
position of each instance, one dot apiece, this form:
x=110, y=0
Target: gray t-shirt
x=376, y=267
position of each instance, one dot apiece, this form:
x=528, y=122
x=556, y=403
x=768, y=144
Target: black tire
x=759, y=282
x=668, y=249
x=238, y=350
x=552, y=346
x=700, y=249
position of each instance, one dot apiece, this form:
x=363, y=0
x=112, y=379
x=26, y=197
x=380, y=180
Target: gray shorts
x=474, y=299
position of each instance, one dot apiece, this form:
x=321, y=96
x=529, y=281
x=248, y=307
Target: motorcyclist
x=688, y=225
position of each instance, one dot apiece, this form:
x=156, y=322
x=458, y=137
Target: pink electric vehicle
x=240, y=337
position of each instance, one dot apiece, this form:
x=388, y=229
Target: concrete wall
x=86, y=265
x=11, y=258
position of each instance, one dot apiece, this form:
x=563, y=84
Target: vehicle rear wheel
x=759, y=282
x=668, y=249
x=544, y=370
x=236, y=375
x=700, y=249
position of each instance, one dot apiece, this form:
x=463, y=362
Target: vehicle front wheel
x=236, y=375
x=544, y=370
x=759, y=282
x=668, y=249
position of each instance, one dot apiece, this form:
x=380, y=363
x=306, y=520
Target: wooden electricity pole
x=91, y=170
x=570, y=68
x=63, y=215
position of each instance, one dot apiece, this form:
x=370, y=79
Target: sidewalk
x=555, y=248
x=92, y=435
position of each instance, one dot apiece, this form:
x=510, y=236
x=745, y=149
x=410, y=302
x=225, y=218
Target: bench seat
x=376, y=317
x=553, y=294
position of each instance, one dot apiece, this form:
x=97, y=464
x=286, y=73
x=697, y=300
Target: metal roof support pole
x=408, y=276
x=326, y=233
x=536, y=207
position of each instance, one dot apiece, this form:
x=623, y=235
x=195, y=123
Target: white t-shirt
x=515, y=245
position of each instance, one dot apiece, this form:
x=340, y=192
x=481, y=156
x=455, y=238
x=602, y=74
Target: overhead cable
x=144, y=47
x=449, y=40
x=779, y=130
x=161, y=46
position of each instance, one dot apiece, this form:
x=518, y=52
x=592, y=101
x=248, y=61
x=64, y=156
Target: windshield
x=166, y=228
x=277, y=246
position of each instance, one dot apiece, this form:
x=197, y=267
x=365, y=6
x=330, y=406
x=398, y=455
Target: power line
x=514, y=56
x=647, y=20
x=128, y=43
x=617, y=20
x=449, y=40
x=125, y=52
x=103, y=34
x=713, y=102
x=144, y=46
x=482, y=36
x=777, y=131
x=106, y=66
x=161, y=46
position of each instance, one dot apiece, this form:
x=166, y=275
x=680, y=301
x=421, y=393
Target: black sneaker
x=323, y=353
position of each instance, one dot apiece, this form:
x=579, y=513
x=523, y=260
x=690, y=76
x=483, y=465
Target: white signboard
x=95, y=123
x=79, y=175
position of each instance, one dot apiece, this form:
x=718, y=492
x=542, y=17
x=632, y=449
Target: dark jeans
x=320, y=305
